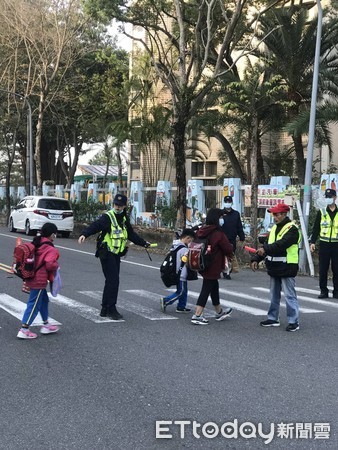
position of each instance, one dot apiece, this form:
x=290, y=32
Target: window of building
x=211, y=168
x=197, y=169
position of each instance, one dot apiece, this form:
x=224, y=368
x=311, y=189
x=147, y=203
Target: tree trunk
x=119, y=165
x=300, y=160
x=238, y=172
x=37, y=155
x=181, y=181
x=254, y=180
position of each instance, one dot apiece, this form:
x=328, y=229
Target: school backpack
x=24, y=260
x=168, y=268
x=200, y=254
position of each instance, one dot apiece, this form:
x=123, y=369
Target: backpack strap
x=182, y=263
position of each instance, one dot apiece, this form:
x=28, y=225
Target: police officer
x=326, y=227
x=115, y=229
x=281, y=260
x=232, y=227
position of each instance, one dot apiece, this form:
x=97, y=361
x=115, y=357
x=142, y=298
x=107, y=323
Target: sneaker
x=199, y=320
x=223, y=314
x=48, y=329
x=163, y=304
x=292, y=327
x=26, y=333
x=183, y=310
x=270, y=323
x=226, y=276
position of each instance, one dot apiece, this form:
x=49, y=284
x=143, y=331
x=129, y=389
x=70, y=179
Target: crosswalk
x=145, y=303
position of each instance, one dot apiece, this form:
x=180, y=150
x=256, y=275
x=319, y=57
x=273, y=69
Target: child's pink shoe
x=48, y=329
x=26, y=333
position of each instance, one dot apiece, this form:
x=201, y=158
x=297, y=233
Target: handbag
x=56, y=284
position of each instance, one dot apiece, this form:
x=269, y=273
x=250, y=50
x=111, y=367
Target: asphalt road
x=103, y=385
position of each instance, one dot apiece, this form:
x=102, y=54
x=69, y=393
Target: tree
x=191, y=44
x=289, y=52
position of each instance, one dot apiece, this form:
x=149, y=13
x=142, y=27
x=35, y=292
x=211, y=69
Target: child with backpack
x=180, y=248
x=218, y=247
x=45, y=262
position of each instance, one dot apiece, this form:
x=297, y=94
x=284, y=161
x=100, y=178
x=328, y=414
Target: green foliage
x=167, y=212
x=87, y=211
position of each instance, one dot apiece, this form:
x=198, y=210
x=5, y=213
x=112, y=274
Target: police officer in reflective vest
x=115, y=229
x=326, y=227
x=281, y=260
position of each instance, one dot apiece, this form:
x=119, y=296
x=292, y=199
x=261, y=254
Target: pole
x=309, y=158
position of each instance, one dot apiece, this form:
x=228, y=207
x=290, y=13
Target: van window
x=57, y=204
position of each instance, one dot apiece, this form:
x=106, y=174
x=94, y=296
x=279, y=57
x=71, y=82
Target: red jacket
x=220, y=247
x=48, y=256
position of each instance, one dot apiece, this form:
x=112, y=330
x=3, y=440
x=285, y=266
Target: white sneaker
x=199, y=320
x=223, y=314
x=26, y=333
x=48, y=329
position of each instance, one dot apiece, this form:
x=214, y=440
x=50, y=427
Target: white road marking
x=135, y=308
x=16, y=308
x=236, y=306
x=85, y=311
x=262, y=300
x=318, y=301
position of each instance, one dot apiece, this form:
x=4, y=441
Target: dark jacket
x=103, y=224
x=278, y=248
x=220, y=247
x=233, y=226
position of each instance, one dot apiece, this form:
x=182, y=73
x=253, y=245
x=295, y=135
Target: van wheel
x=28, y=230
x=11, y=226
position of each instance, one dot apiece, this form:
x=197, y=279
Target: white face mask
x=118, y=211
x=329, y=201
x=221, y=222
x=227, y=205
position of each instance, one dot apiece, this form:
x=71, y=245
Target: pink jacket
x=48, y=256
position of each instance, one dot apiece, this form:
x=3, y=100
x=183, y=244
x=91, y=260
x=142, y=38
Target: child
x=181, y=293
x=46, y=257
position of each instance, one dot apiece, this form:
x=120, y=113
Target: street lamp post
x=29, y=165
x=312, y=122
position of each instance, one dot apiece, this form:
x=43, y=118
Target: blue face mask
x=227, y=205
x=221, y=221
x=329, y=201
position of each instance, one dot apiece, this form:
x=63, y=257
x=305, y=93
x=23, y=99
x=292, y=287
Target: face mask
x=329, y=201
x=227, y=205
x=221, y=222
x=120, y=211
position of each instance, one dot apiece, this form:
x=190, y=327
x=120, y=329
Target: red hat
x=280, y=208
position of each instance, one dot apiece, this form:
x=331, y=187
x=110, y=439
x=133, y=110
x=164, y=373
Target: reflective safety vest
x=291, y=256
x=328, y=228
x=117, y=238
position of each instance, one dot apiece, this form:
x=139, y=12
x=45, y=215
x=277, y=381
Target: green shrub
x=87, y=211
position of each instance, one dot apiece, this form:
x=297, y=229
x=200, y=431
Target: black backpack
x=168, y=268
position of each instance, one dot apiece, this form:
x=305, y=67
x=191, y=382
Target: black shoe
x=183, y=310
x=226, y=276
x=114, y=314
x=323, y=295
x=270, y=323
x=103, y=312
x=292, y=327
x=334, y=295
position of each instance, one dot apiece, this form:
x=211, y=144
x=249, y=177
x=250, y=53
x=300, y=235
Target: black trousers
x=209, y=287
x=111, y=271
x=328, y=252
